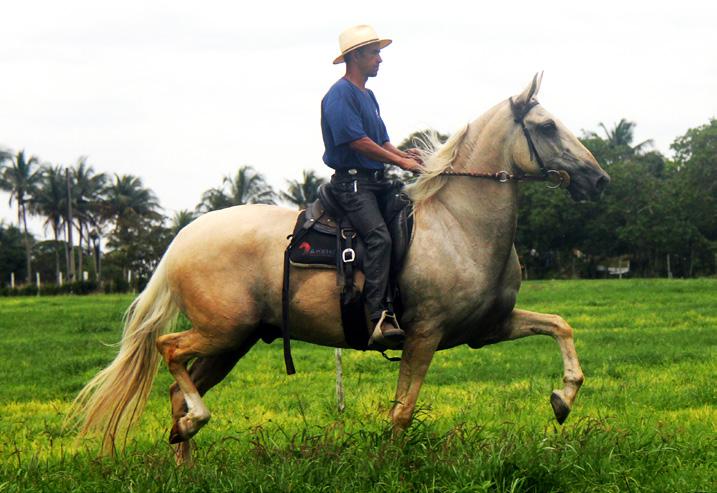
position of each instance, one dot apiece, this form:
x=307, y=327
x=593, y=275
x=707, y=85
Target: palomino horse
x=224, y=272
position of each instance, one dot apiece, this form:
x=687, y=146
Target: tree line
x=658, y=214
x=85, y=210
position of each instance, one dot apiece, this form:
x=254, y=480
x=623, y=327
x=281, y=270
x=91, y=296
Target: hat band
x=364, y=43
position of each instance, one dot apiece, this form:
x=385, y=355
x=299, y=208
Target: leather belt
x=374, y=174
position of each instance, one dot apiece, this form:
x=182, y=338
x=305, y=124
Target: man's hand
x=386, y=154
x=410, y=164
x=415, y=153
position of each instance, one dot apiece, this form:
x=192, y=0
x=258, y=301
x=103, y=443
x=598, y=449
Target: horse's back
x=226, y=262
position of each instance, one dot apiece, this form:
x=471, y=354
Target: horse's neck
x=481, y=206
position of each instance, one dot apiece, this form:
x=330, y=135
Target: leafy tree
x=550, y=228
x=50, y=201
x=137, y=249
x=247, y=186
x=303, y=192
x=87, y=195
x=127, y=201
x=133, y=211
x=617, y=144
x=21, y=178
x=213, y=200
x=695, y=171
x=12, y=254
x=45, y=259
x=5, y=156
x=181, y=219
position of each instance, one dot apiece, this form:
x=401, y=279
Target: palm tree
x=21, y=178
x=247, y=186
x=5, y=155
x=86, y=194
x=303, y=192
x=181, y=219
x=51, y=201
x=131, y=208
x=213, y=200
x=622, y=135
x=127, y=201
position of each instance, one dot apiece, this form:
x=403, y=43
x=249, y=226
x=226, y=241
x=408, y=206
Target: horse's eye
x=548, y=128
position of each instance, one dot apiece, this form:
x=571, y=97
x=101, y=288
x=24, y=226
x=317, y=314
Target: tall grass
x=645, y=419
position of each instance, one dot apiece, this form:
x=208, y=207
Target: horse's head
x=542, y=143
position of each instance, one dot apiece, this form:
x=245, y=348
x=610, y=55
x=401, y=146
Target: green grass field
x=645, y=419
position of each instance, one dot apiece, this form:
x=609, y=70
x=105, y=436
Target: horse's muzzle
x=588, y=185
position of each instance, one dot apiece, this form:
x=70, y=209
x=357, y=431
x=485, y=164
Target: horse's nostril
x=601, y=183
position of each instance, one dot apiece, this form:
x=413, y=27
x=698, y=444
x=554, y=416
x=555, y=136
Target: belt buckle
x=352, y=171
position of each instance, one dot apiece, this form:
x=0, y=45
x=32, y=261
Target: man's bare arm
x=414, y=153
x=391, y=148
x=385, y=154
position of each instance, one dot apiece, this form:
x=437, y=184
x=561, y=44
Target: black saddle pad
x=318, y=247
x=318, y=233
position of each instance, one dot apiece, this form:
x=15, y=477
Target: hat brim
x=382, y=43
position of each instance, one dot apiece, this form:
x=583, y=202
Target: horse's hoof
x=175, y=435
x=560, y=407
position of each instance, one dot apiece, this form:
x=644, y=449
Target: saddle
x=323, y=238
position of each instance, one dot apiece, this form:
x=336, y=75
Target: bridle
x=558, y=178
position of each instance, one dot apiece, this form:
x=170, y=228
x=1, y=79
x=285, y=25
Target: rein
x=558, y=178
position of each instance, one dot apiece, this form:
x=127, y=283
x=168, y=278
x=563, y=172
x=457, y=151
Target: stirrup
x=385, y=337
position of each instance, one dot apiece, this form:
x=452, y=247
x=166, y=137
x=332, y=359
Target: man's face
x=368, y=59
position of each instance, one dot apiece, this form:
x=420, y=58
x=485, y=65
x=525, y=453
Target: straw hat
x=356, y=37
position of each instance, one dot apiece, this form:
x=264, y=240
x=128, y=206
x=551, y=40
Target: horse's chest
x=482, y=319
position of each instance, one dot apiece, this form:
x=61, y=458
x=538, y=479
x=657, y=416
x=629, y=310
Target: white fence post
x=59, y=279
x=12, y=280
x=339, y=382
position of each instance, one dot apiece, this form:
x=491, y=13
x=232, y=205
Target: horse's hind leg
x=522, y=323
x=177, y=349
x=205, y=372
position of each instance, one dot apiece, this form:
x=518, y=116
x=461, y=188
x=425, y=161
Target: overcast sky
x=182, y=94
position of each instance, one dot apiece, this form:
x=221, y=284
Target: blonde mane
x=439, y=158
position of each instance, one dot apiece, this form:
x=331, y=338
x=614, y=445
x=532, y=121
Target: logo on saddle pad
x=310, y=251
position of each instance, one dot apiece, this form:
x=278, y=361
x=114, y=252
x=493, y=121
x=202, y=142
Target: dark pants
x=362, y=197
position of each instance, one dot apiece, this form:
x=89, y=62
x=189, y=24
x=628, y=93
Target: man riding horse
x=356, y=146
x=459, y=281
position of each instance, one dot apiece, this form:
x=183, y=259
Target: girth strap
x=285, y=333
x=353, y=316
x=288, y=360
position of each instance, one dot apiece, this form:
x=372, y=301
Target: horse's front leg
x=418, y=350
x=522, y=323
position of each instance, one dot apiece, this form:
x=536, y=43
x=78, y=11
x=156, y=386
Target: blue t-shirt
x=348, y=114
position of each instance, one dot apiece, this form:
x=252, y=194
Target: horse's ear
x=530, y=91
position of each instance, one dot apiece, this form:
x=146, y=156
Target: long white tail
x=115, y=398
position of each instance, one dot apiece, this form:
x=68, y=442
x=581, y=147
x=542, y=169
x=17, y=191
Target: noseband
x=559, y=178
